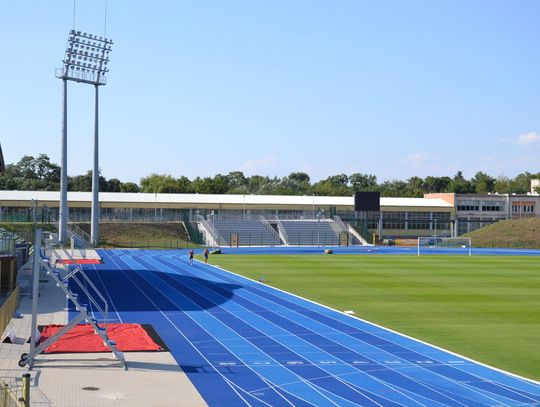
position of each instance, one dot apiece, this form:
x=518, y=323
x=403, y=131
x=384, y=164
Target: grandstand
x=272, y=231
x=241, y=232
x=311, y=232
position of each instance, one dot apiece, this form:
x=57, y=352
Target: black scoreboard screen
x=367, y=201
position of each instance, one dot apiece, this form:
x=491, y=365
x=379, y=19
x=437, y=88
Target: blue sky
x=200, y=87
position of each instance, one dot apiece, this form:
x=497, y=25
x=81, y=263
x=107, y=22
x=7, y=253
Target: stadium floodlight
x=86, y=60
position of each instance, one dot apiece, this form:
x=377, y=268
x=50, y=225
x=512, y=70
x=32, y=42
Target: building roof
x=208, y=199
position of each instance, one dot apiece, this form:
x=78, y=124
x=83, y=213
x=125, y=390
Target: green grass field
x=487, y=308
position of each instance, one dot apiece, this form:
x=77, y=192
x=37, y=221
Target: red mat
x=80, y=261
x=83, y=339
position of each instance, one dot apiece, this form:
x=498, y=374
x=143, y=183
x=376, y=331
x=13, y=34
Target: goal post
x=444, y=245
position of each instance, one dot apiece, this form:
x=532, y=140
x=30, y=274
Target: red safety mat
x=80, y=261
x=82, y=339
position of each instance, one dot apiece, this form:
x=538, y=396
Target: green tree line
x=40, y=174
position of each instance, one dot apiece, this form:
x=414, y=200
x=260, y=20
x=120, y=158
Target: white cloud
x=529, y=138
x=251, y=166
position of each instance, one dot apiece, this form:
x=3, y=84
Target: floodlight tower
x=86, y=61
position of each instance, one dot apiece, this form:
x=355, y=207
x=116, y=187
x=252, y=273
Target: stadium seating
x=311, y=232
x=250, y=232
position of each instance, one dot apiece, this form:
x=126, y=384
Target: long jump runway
x=243, y=343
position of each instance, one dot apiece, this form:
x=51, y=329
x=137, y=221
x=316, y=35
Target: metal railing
x=267, y=225
x=76, y=234
x=53, y=250
x=48, y=252
x=14, y=391
x=282, y=232
x=214, y=234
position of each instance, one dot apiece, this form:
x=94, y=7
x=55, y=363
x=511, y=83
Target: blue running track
x=243, y=343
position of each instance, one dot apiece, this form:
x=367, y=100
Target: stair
x=66, y=278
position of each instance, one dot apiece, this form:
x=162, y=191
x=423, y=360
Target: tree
x=129, y=187
x=394, y=188
x=363, y=182
x=436, y=184
x=80, y=182
x=236, y=181
x=415, y=187
x=31, y=173
x=256, y=183
x=459, y=184
x=482, y=183
x=522, y=183
x=84, y=183
x=156, y=183
x=300, y=177
x=296, y=183
x=503, y=185
x=335, y=185
x=114, y=185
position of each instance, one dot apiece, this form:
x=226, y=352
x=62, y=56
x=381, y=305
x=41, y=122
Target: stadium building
x=274, y=219
x=474, y=211
x=399, y=217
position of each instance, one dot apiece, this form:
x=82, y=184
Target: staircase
x=47, y=252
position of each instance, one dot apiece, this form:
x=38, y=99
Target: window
x=492, y=206
x=418, y=220
x=468, y=206
x=393, y=220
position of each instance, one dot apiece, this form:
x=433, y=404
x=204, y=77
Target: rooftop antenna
x=74, y=8
x=105, y=24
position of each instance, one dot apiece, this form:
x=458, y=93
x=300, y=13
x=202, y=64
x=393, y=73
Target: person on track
x=191, y=256
x=206, y=255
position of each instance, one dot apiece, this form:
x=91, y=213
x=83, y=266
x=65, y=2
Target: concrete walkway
x=90, y=379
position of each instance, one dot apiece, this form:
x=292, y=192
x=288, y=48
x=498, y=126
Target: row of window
x=528, y=208
x=485, y=208
x=477, y=205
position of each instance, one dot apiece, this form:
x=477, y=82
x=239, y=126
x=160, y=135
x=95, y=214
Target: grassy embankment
x=517, y=233
x=142, y=235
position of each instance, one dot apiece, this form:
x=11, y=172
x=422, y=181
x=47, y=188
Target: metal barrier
x=15, y=392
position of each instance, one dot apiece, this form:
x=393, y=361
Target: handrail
x=282, y=232
x=340, y=223
x=218, y=239
x=73, y=275
x=48, y=251
x=269, y=227
x=72, y=228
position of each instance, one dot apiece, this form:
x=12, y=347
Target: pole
x=95, y=176
x=35, y=293
x=63, y=210
x=155, y=207
x=26, y=389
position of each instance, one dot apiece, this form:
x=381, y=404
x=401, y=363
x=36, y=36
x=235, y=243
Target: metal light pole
x=213, y=230
x=319, y=214
x=87, y=56
x=94, y=226
x=63, y=210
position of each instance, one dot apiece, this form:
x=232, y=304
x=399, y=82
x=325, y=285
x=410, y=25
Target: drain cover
x=90, y=388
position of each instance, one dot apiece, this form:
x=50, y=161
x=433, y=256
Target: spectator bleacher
x=311, y=232
x=249, y=232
